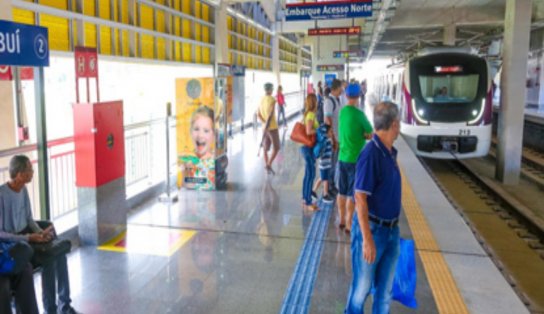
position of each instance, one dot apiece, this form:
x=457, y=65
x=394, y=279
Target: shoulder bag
x=299, y=135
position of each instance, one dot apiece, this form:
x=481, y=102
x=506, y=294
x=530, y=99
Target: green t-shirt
x=353, y=125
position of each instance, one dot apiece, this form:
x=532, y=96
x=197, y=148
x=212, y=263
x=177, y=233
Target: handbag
x=299, y=135
x=14, y=256
x=44, y=253
x=47, y=252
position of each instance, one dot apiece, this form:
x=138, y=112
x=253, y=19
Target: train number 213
x=464, y=132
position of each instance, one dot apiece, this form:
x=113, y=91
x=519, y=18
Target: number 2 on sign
x=41, y=44
x=464, y=132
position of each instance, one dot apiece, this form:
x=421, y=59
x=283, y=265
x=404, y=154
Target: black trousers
x=21, y=286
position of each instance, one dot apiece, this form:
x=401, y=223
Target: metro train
x=445, y=101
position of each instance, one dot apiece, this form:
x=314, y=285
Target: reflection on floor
x=230, y=251
x=148, y=240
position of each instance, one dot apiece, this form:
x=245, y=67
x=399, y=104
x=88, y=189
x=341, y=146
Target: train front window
x=449, y=88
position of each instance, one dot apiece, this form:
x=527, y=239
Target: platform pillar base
x=102, y=212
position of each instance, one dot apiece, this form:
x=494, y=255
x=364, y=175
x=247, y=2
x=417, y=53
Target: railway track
x=510, y=231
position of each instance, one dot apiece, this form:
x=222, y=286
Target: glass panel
x=449, y=88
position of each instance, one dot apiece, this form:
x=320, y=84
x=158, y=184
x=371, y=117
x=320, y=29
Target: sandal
x=270, y=170
x=341, y=226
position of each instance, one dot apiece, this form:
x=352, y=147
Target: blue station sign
x=326, y=10
x=23, y=45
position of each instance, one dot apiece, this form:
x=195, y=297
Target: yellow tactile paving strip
x=148, y=240
x=446, y=294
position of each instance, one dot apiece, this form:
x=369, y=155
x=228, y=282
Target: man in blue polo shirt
x=375, y=241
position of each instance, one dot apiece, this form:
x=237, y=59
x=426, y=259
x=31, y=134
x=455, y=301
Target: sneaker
x=314, y=195
x=328, y=199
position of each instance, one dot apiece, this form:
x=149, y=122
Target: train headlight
x=478, y=115
x=418, y=113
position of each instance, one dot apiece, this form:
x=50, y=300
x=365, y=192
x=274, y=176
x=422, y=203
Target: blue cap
x=353, y=91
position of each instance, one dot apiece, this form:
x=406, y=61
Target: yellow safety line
x=445, y=291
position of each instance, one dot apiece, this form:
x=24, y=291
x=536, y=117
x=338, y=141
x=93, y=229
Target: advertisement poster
x=329, y=77
x=196, y=133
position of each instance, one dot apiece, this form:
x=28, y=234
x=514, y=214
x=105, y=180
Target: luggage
x=14, y=256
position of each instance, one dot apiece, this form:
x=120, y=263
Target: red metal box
x=99, y=143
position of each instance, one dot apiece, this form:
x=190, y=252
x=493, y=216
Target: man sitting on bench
x=16, y=219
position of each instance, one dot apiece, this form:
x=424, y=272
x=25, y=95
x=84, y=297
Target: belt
x=383, y=222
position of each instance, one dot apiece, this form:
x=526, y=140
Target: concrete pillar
x=299, y=59
x=541, y=78
x=276, y=66
x=514, y=71
x=221, y=34
x=449, y=35
x=80, y=38
x=8, y=135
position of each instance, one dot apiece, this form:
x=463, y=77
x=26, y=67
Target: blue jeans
x=378, y=275
x=309, y=174
x=281, y=113
x=59, y=269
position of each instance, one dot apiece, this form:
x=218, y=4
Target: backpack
x=320, y=114
x=14, y=256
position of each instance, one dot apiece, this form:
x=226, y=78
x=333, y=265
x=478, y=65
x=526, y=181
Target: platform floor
x=235, y=251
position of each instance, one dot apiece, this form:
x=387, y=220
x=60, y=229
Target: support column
x=449, y=35
x=221, y=34
x=8, y=137
x=514, y=71
x=299, y=59
x=133, y=50
x=276, y=66
x=541, y=79
x=80, y=41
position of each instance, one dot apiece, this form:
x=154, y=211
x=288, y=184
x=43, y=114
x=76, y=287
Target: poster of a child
x=199, y=169
x=196, y=133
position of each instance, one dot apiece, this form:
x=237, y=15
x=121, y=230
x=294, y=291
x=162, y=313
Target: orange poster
x=196, y=133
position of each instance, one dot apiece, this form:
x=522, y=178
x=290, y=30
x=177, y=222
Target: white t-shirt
x=331, y=108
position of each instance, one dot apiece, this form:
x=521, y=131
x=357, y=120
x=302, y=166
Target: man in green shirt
x=354, y=129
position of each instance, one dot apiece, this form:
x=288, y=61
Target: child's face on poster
x=202, y=134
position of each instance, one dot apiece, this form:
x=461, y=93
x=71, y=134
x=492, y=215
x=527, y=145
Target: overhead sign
x=238, y=70
x=330, y=67
x=23, y=45
x=326, y=10
x=86, y=62
x=348, y=54
x=334, y=31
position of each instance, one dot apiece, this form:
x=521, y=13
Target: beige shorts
x=271, y=137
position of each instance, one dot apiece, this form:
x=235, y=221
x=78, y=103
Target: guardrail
x=144, y=152
x=145, y=156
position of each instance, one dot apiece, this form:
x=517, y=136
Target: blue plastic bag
x=404, y=284
x=7, y=263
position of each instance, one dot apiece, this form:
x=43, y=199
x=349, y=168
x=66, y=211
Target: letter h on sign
x=86, y=64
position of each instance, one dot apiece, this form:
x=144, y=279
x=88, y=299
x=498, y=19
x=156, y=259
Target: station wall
x=145, y=86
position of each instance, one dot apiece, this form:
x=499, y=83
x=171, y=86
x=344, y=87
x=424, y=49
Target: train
x=446, y=103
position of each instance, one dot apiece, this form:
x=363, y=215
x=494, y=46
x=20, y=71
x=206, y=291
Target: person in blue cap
x=354, y=129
